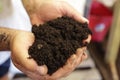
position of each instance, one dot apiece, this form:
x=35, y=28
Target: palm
x=20, y=45
x=20, y=57
x=47, y=11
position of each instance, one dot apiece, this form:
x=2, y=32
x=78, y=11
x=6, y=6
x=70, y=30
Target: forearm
x=6, y=35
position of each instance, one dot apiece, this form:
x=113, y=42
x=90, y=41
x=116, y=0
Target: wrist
x=6, y=36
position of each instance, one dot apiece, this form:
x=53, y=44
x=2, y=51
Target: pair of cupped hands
x=22, y=40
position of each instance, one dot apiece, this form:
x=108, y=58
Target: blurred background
x=104, y=50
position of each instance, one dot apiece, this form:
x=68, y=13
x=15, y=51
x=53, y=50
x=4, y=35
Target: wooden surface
x=114, y=38
x=97, y=53
x=106, y=59
x=114, y=42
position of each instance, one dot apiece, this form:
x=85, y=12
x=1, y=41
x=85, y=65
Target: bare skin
x=19, y=41
x=5, y=36
x=41, y=11
x=19, y=44
x=5, y=77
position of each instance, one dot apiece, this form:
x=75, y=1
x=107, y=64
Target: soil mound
x=56, y=41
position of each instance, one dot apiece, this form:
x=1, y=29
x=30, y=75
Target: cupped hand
x=20, y=57
x=51, y=9
x=71, y=63
x=20, y=44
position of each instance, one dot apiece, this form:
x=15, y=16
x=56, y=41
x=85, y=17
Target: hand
x=46, y=11
x=50, y=9
x=71, y=63
x=19, y=45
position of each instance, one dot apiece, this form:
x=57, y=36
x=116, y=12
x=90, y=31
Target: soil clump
x=56, y=41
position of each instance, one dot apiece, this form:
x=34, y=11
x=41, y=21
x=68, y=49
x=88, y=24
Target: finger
x=81, y=58
x=42, y=70
x=68, y=10
x=71, y=60
x=33, y=67
x=33, y=75
x=79, y=52
x=66, y=69
x=58, y=74
x=70, y=65
x=88, y=39
x=27, y=63
x=85, y=56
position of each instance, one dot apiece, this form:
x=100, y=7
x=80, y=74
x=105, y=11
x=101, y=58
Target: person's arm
x=6, y=35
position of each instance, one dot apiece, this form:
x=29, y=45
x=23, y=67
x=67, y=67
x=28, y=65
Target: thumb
x=42, y=70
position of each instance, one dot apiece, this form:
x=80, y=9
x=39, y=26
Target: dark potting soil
x=56, y=41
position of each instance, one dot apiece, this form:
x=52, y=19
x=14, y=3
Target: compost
x=56, y=40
